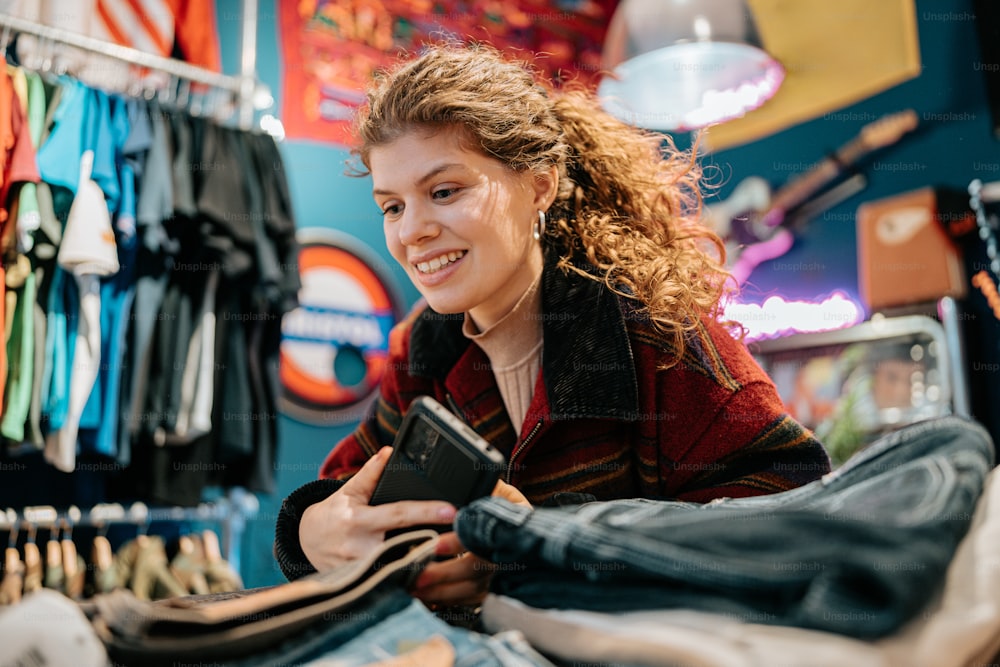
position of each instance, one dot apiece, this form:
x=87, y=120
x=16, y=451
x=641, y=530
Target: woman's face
x=892, y=384
x=460, y=223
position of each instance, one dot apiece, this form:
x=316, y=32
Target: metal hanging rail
x=243, y=87
x=230, y=512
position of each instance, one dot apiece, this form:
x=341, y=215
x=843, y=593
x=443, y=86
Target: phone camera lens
x=421, y=446
x=429, y=444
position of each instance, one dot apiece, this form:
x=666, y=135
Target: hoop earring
x=539, y=227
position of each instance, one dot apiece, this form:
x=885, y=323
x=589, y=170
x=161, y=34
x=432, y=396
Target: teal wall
x=953, y=145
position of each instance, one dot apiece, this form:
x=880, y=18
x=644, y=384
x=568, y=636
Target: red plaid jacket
x=605, y=419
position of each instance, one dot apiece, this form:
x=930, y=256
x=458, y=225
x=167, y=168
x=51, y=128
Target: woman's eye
x=443, y=193
x=392, y=209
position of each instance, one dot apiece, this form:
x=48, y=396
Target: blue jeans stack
x=858, y=552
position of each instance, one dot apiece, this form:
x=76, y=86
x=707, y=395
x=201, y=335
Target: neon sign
x=779, y=317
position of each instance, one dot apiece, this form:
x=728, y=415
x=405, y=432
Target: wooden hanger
x=213, y=553
x=33, y=568
x=55, y=575
x=12, y=584
x=108, y=575
x=101, y=554
x=74, y=567
x=188, y=565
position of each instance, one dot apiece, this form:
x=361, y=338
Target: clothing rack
x=231, y=512
x=981, y=194
x=243, y=87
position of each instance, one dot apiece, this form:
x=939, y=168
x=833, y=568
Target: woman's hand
x=345, y=527
x=464, y=578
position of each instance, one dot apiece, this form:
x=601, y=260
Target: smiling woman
x=570, y=316
x=460, y=223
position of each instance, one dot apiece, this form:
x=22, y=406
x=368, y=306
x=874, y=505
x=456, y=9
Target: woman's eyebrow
x=426, y=177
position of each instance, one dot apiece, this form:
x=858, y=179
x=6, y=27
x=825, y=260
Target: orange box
x=905, y=256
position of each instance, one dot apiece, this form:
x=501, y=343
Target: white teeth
x=439, y=262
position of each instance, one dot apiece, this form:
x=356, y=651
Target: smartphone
x=437, y=456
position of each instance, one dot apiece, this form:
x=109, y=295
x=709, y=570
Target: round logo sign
x=334, y=345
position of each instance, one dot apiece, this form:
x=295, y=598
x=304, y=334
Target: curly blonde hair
x=628, y=201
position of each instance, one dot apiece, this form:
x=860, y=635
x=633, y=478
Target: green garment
x=21, y=343
x=21, y=359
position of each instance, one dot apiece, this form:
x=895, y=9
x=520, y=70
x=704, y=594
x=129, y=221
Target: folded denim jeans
x=139, y=632
x=408, y=630
x=959, y=628
x=857, y=552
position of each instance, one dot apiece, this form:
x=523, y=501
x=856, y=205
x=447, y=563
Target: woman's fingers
x=448, y=545
x=344, y=526
x=464, y=579
x=362, y=484
x=403, y=514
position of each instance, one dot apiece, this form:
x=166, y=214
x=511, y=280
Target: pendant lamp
x=677, y=65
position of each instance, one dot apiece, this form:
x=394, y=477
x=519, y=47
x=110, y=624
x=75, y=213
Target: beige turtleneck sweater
x=514, y=348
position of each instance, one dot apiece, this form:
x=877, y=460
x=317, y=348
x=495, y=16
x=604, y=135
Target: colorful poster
x=334, y=345
x=331, y=48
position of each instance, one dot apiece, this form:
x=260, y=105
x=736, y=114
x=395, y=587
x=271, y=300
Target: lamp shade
x=684, y=64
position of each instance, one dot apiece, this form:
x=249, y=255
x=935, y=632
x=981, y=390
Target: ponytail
x=630, y=205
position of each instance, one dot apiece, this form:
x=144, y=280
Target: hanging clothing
x=19, y=279
x=185, y=29
x=233, y=234
x=87, y=250
x=100, y=424
x=17, y=166
x=153, y=257
x=28, y=217
x=157, y=246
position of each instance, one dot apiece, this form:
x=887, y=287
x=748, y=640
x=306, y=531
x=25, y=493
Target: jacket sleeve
x=752, y=447
x=727, y=431
x=287, y=548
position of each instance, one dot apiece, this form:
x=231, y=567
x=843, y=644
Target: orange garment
x=155, y=26
x=6, y=131
x=6, y=221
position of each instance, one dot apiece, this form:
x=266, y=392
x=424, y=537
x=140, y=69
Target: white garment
x=88, y=241
x=88, y=251
x=672, y=638
x=47, y=628
x=60, y=445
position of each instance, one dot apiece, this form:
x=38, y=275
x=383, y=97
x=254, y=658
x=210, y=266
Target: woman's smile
x=439, y=262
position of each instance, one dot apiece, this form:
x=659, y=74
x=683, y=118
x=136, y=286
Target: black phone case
x=436, y=456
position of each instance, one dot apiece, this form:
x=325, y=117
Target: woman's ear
x=546, y=184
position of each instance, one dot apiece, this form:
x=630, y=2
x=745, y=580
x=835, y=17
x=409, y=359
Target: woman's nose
x=416, y=226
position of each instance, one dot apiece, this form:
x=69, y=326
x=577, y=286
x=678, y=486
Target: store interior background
x=954, y=143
